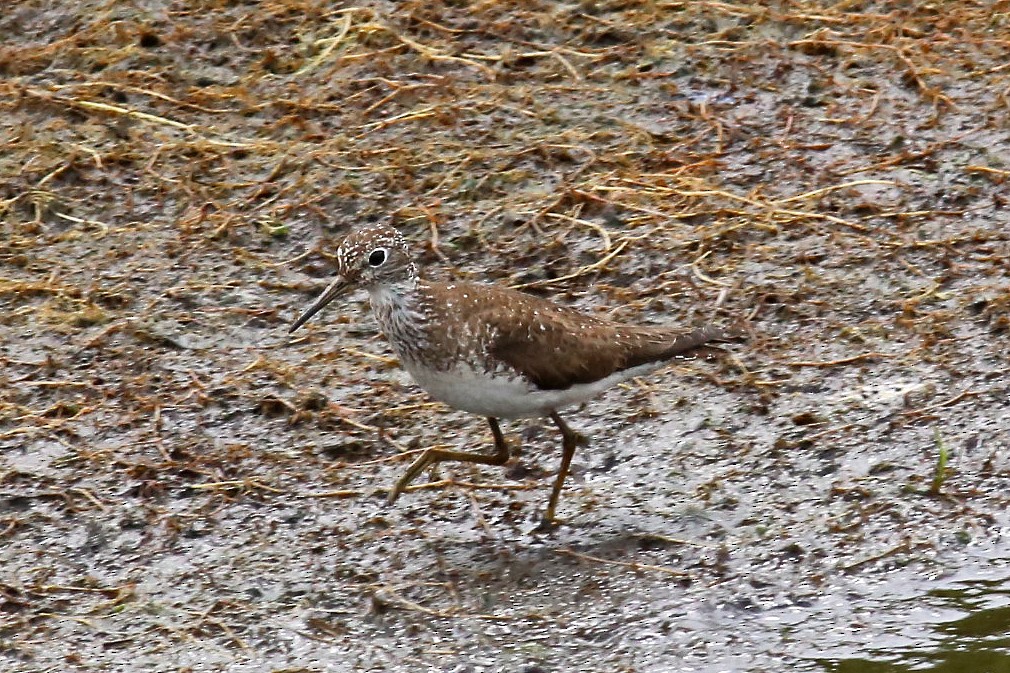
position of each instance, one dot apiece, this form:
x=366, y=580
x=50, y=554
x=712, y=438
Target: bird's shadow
x=506, y=556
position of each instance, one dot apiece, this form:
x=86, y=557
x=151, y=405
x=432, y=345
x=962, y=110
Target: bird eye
x=377, y=257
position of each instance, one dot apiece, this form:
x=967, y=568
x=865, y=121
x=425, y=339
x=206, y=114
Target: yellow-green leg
x=569, y=440
x=435, y=456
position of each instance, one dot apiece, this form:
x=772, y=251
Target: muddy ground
x=184, y=487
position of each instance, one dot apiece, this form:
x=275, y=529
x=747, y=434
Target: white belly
x=475, y=391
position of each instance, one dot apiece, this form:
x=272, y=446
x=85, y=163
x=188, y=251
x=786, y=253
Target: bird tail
x=699, y=337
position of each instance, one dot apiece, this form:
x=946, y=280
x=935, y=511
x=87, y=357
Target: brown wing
x=557, y=347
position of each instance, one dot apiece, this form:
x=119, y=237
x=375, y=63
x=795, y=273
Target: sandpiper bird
x=494, y=351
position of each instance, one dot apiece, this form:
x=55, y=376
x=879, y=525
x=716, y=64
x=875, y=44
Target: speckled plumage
x=534, y=356
x=491, y=350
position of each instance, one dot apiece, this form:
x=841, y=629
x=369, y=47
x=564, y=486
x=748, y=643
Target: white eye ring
x=377, y=257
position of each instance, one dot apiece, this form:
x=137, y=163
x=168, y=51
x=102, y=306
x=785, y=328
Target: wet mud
x=186, y=487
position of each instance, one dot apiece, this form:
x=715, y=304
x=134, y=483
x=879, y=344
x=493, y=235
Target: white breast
x=501, y=396
x=469, y=389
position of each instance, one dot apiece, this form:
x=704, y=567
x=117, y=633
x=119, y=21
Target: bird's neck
x=400, y=310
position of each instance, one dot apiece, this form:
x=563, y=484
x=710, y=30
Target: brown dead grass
x=170, y=176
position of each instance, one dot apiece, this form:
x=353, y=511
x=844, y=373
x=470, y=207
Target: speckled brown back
x=552, y=346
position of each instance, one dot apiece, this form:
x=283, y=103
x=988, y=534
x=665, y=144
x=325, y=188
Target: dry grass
x=835, y=173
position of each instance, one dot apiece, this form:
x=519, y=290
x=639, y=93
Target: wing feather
x=557, y=347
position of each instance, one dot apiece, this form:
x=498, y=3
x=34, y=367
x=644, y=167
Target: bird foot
x=547, y=525
x=416, y=468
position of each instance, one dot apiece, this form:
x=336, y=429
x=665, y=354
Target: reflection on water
x=971, y=635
